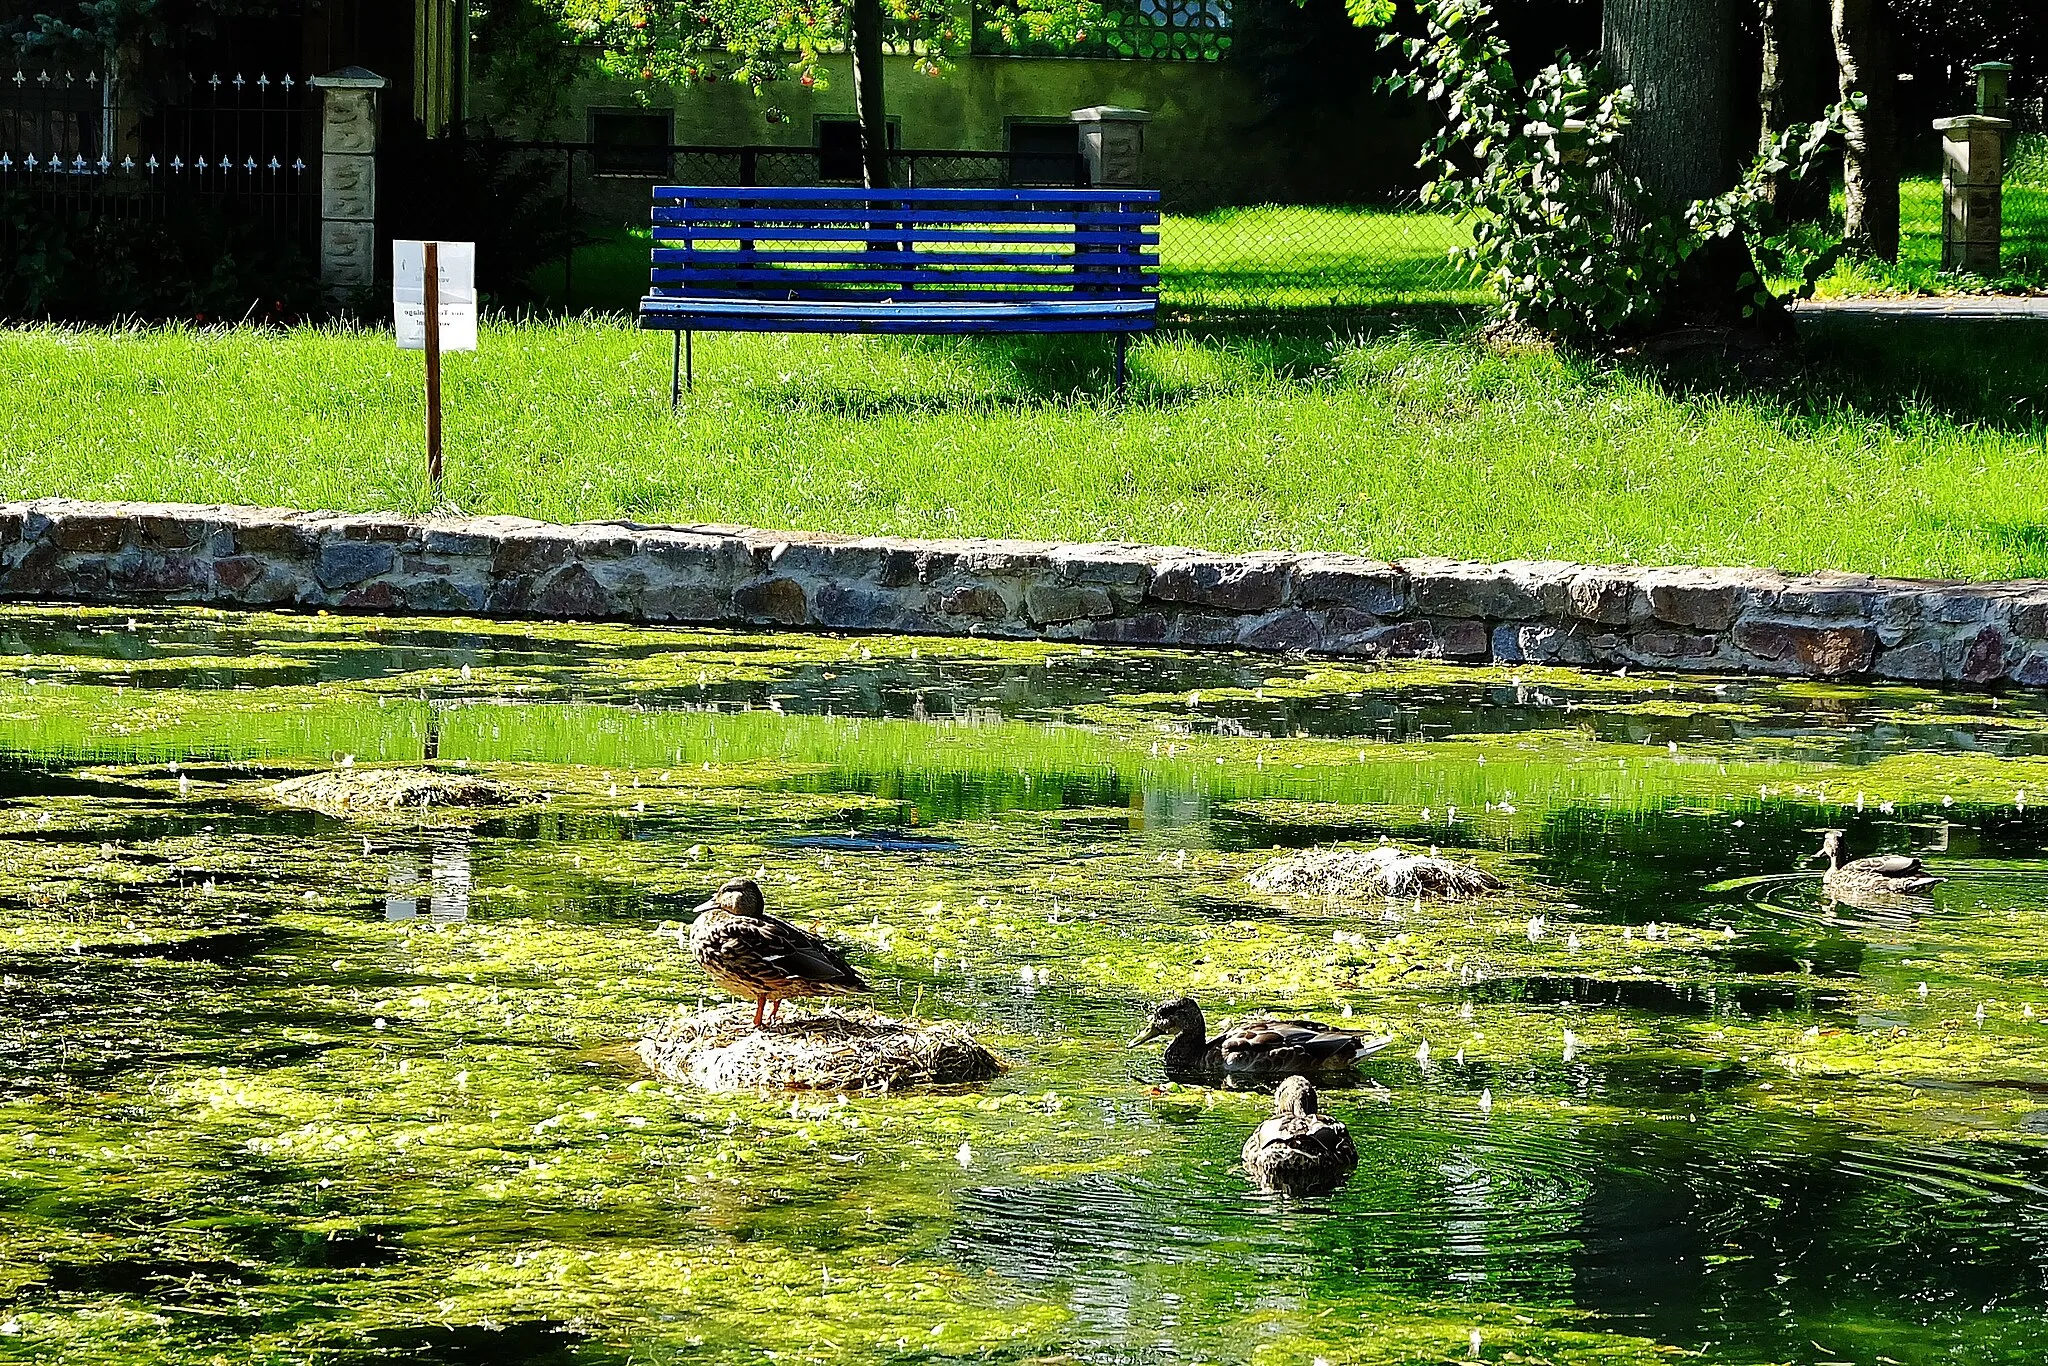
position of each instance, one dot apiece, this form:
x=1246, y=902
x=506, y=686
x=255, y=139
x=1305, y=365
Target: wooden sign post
x=433, y=309
x=430, y=314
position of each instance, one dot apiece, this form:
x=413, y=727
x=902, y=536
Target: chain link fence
x=1233, y=259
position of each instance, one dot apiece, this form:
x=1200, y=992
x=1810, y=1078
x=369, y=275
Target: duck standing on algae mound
x=752, y=953
x=1384, y=871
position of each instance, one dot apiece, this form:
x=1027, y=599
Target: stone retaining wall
x=1538, y=611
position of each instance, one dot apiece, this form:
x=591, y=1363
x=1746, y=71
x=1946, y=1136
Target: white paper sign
x=458, y=294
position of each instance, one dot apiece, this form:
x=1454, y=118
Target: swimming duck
x=751, y=953
x=1887, y=877
x=1255, y=1045
x=1298, y=1151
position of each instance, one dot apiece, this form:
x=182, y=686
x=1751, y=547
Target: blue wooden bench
x=901, y=261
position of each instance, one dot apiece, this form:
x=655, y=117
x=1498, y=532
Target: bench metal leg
x=690, y=361
x=675, y=374
x=1121, y=339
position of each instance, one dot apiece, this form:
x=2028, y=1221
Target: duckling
x=751, y=953
x=1886, y=878
x=1298, y=1151
x=1256, y=1045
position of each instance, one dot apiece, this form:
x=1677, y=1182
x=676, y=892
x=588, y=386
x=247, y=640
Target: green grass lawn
x=1919, y=450
x=2023, y=259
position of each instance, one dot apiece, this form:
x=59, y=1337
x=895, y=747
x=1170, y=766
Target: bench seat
x=896, y=314
x=949, y=261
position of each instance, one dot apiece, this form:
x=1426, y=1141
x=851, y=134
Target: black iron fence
x=96, y=169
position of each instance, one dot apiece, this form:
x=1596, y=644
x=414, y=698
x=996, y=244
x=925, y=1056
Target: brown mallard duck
x=1298, y=1151
x=1255, y=1045
x=1885, y=878
x=751, y=953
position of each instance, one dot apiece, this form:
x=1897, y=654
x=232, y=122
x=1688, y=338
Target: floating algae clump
x=374, y=791
x=1384, y=871
x=831, y=1050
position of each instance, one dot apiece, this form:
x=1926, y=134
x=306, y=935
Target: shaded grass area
x=1284, y=259
x=1914, y=452
x=1270, y=258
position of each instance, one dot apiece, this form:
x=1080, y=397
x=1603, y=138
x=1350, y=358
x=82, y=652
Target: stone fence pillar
x=348, y=180
x=1113, y=143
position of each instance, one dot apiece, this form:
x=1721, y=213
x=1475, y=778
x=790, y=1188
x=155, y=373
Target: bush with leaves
x=1572, y=243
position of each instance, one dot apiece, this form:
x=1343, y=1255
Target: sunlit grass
x=1887, y=459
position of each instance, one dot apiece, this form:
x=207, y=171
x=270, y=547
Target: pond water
x=283, y=1088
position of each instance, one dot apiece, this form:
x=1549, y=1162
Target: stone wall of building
x=1550, y=612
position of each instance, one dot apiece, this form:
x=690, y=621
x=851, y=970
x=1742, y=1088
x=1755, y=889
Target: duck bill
x=710, y=905
x=1156, y=1031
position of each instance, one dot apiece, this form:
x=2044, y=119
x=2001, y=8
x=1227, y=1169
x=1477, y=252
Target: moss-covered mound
x=379, y=791
x=830, y=1050
x=1381, y=871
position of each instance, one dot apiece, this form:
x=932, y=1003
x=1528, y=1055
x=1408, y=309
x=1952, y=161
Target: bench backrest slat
x=785, y=244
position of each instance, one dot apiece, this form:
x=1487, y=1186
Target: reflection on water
x=280, y=1087
x=445, y=877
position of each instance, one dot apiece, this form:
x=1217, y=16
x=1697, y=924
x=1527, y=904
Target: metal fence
x=1241, y=258
x=89, y=158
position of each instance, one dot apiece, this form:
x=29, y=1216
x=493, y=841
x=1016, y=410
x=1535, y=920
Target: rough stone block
x=1606, y=598
x=1702, y=603
x=1453, y=589
x=1818, y=651
x=530, y=553
x=1286, y=630
x=381, y=596
x=150, y=573
x=160, y=531
x=443, y=595
x=2032, y=672
x=342, y=563
x=1461, y=639
x=1979, y=658
x=777, y=599
x=1675, y=645
x=1124, y=570
x=1919, y=662
x=99, y=533
x=1202, y=628
x=1051, y=602
x=1401, y=640
x=1344, y=581
x=857, y=607
x=274, y=539
x=973, y=601
x=2030, y=619
x=572, y=591
x=1233, y=585
x=1145, y=628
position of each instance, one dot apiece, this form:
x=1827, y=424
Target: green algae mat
x=281, y=1087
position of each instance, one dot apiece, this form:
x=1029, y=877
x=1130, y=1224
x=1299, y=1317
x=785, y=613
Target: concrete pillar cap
x=1964, y=122
x=350, y=78
x=1110, y=113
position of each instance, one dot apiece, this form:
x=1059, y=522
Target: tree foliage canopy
x=758, y=42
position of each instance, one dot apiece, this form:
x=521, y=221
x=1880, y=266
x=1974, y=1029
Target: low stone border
x=1537, y=611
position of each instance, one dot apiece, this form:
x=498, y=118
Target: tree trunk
x=1870, y=157
x=865, y=21
x=1682, y=143
x=1797, y=87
